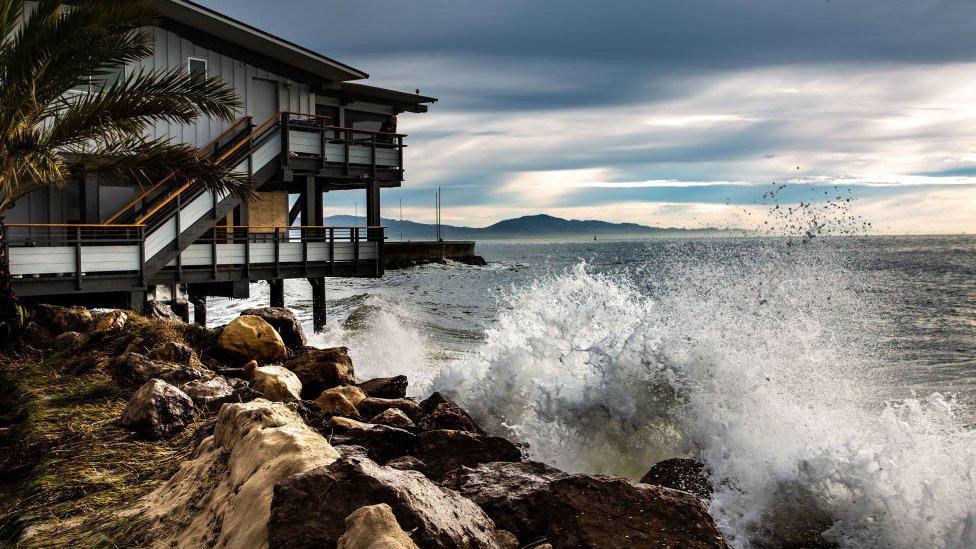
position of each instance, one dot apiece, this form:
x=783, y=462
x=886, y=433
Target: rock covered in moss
x=386, y=387
x=308, y=509
x=249, y=338
x=602, y=511
x=287, y=325
x=136, y=369
x=158, y=410
x=321, y=369
x=111, y=322
x=63, y=319
x=374, y=527
x=274, y=382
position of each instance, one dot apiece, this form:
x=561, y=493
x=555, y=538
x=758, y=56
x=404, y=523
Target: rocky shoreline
x=282, y=446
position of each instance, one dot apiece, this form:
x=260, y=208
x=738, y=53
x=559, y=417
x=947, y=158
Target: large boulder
x=321, y=369
x=63, y=319
x=440, y=412
x=681, y=474
x=287, y=325
x=221, y=497
x=308, y=509
x=158, y=410
x=608, y=513
x=514, y=495
x=444, y=450
x=372, y=406
x=136, y=369
x=386, y=387
x=374, y=527
x=250, y=337
x=209, y=394
x=274, y=382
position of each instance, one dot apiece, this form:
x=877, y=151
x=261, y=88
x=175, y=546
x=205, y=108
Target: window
x=195, y=65
x=365, y=120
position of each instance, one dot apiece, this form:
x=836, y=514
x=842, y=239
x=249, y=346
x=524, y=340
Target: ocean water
x=827, y=383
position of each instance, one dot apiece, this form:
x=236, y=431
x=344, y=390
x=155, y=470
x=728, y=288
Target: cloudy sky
x=665, y=112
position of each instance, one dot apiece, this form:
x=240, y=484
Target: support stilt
x=277, y=293
x=199, y=309
x=318, y=303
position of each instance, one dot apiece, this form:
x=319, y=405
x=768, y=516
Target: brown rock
x=374, y=527
x=444, y=450
x=63, y=319
x=284, y=321
x=371, y=406
x=251, y=338
x=408, y=463
x=514, y=495
x=443, y=413
x=158, y=410
x=110, y=322
x=322, y=369
x=308, y=509
x=334, y=403
x=386, y=387
x=173, y=351
x=394, y=418
x=681, y=474
x=68, y=341
x=385, y=442
x=349, y=426
x=276, y=383
x=609, y=512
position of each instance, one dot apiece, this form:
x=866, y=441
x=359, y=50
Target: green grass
x=66, y=465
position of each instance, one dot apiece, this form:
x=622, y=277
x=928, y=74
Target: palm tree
x=50, y=134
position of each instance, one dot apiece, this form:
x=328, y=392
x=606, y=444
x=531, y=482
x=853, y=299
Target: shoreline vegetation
x=119, y=429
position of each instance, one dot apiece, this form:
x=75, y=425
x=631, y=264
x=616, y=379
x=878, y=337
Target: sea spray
x=749, y=357
x=382, y=342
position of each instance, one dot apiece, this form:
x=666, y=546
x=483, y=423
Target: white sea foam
x=754, y=362
x=382, y=343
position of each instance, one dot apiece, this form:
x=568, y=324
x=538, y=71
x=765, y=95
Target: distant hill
x=529, y=227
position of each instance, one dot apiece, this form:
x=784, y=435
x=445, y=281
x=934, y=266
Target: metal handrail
x=259, y=130
x=211, y=145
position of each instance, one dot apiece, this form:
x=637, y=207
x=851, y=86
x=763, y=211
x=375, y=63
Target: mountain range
x=528, y=227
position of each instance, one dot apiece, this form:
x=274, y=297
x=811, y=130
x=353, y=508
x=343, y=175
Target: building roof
x=410, y=101
x=194, y=16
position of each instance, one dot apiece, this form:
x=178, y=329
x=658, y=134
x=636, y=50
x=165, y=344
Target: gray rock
x=209, y=394
x=408, y=463
x=158, y=410
x=514, y=495
x=309, y=509
x=161, y=311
